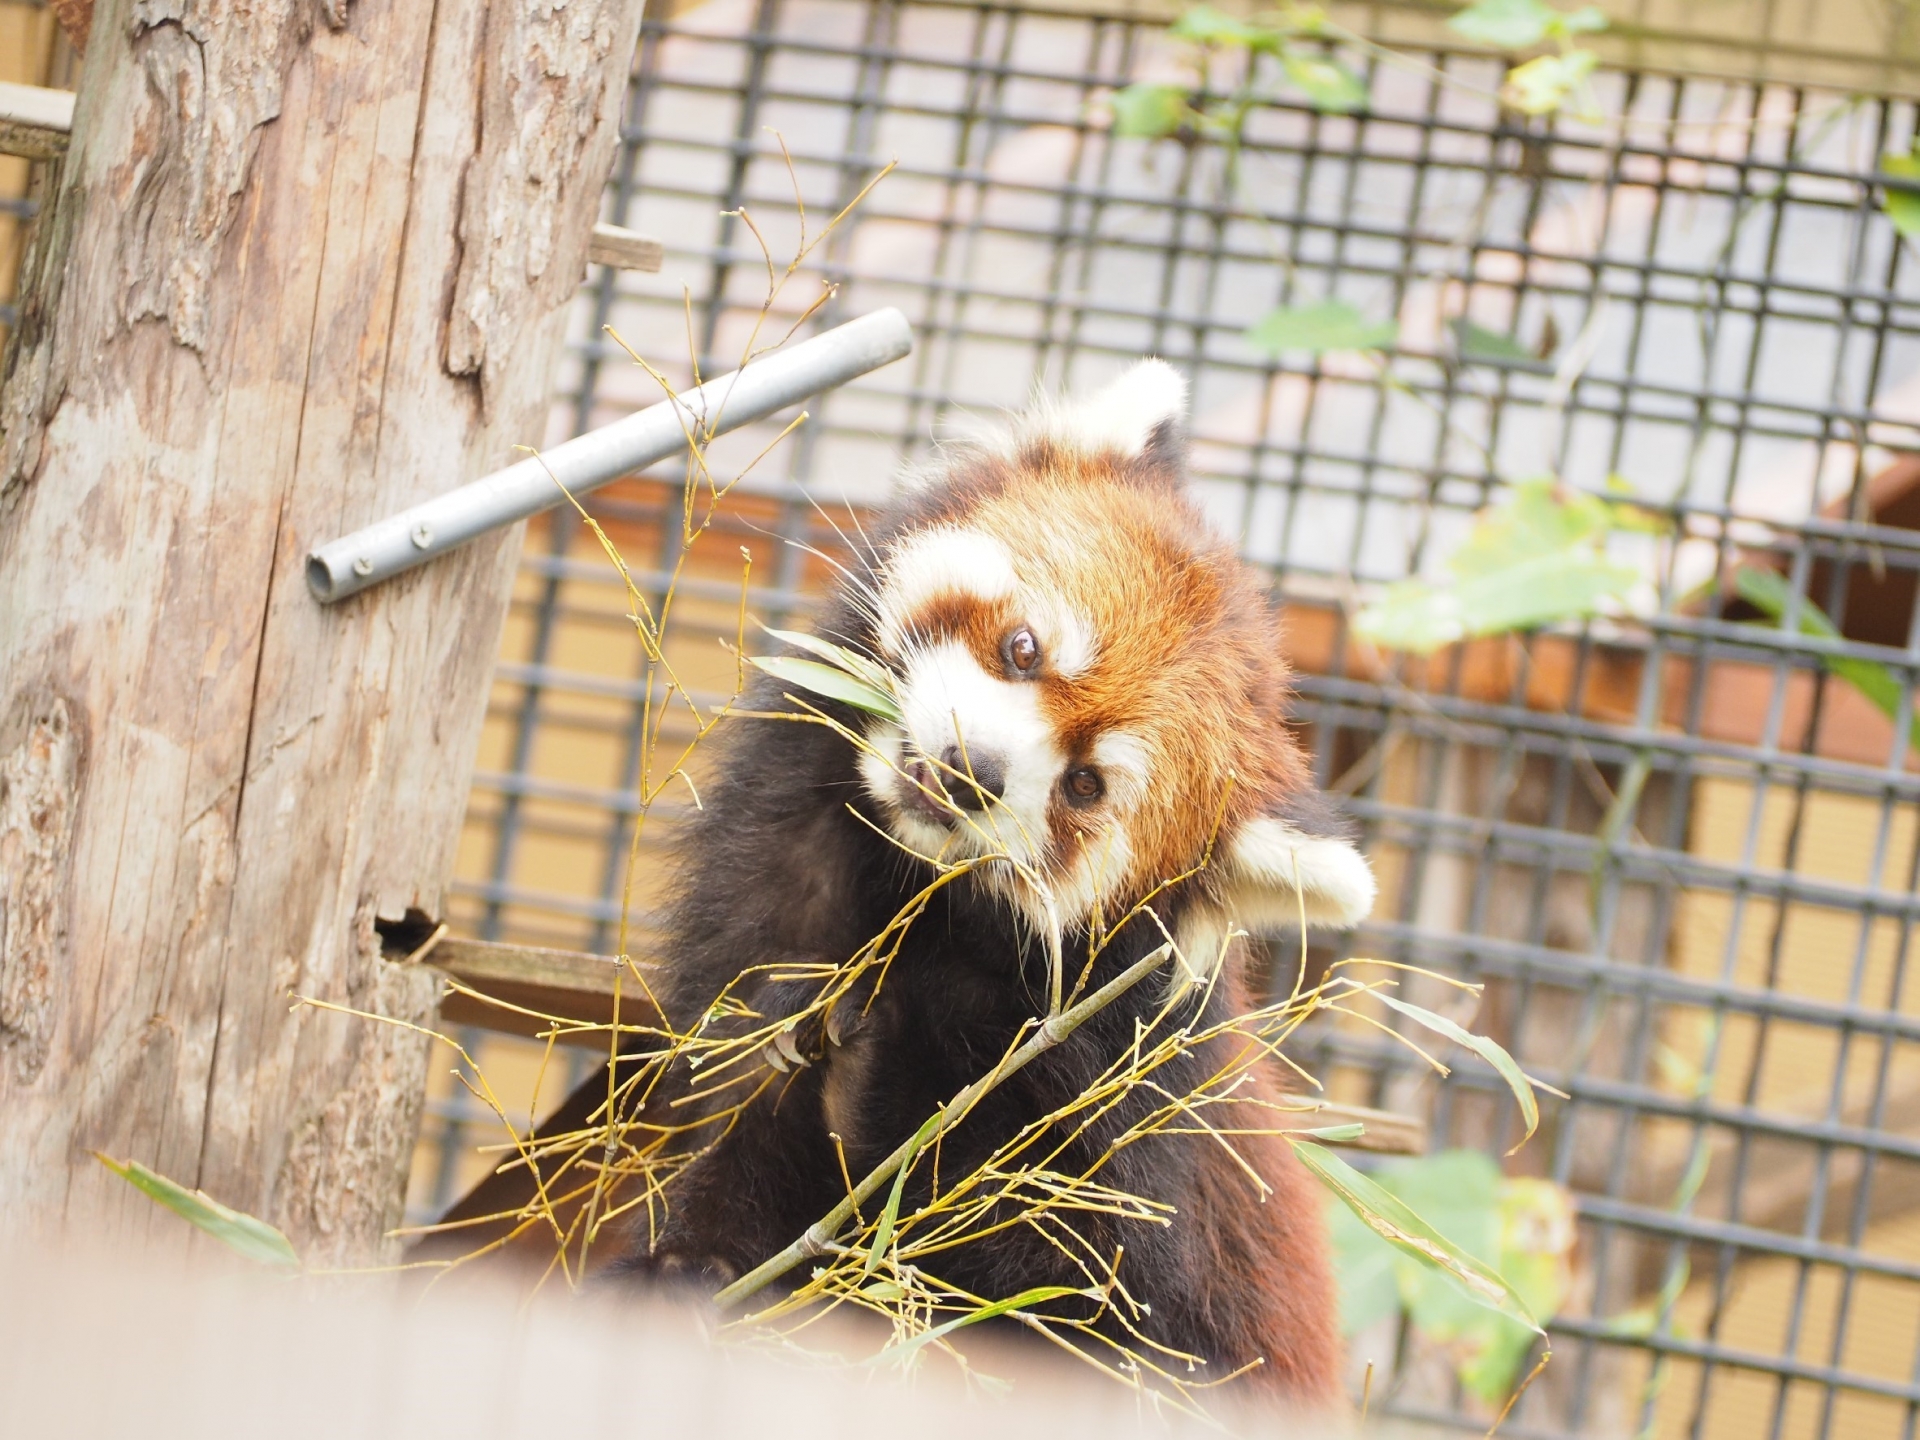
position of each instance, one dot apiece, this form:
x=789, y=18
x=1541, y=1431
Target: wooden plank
x=34, y=121
x=236, y=339
x=624, y=249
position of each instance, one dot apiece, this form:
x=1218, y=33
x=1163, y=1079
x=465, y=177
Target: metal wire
x=1679, y=852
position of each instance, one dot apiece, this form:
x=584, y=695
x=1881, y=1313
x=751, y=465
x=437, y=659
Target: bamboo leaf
x=883, y=1232
x=833, y=684
x=255, y=1239
x=1318, y=328
x=1334, y=1134
x=1026, y=1299
x=1393, y=1220
x=1488, y=1050
x=838, y=656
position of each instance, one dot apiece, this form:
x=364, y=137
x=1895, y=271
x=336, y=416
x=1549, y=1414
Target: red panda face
x=1090, y=680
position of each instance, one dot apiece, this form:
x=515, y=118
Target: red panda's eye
x=1023, y=651
x=1084, y=785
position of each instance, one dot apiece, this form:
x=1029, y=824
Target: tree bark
x=305, y=263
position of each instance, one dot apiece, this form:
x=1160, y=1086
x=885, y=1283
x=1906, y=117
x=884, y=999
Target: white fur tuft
x=1273, y=870
x=1123, y=414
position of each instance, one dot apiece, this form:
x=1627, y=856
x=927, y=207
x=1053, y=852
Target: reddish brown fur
x=1189, y=647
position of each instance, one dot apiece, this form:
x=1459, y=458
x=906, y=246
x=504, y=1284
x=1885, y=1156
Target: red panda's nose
x=974, y=777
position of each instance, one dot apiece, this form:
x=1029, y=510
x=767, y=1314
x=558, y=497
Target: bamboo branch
x=1051, y=1032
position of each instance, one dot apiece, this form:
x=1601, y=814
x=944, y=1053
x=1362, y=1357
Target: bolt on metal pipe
x=772, y=382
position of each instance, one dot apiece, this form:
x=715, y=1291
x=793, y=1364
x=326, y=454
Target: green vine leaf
x=1327, y=84
x=1204, y=25
x=1544, y=84
x=1768, y=592
x=1521, y=24
x=1150, y=112
x=1902, y=206
x=1505, y=24
x=1325, y=326
x=1536, y=559
x=1477, y=343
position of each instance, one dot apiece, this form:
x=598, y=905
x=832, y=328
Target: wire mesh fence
x=1678, y=848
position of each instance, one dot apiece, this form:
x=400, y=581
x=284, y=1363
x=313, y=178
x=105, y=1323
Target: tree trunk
x=306, y=262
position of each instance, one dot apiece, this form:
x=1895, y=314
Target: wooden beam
x=625, y=249
x=37, y=122
x=34, y=121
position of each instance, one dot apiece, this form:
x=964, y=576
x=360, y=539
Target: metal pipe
x=349, y=565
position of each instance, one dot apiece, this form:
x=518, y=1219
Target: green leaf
x=1902, y=206
x=1588, y=20
x=1768, y=592
x=1547, y=82
x=838, y=656
x=1488, y=1050
x=1334, y=1134
x=1477, y=343
x=1204, y=25
x=883, y=1232
x=1319, y=328
x=1026, y=1299
x=1328, y=85
x=1150, y=112
x=1396, y=1222
x=1537, y=559
x=1523, y=1228
x=1506, y=24
x=255, y=1239
x=1543, y=590
x=829, y=682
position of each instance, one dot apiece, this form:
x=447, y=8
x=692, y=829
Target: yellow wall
x=1819, y=958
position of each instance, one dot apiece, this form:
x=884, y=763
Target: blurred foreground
x=93, y=1346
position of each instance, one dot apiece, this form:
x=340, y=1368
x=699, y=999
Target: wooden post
x=305, y=263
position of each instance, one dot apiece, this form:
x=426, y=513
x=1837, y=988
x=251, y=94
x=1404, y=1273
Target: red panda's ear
x=1272, y=870
x=1144, y=407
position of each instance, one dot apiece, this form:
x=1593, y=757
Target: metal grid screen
x=1679, y=852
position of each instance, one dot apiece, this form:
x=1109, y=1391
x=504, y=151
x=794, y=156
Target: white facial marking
x=1122, y=761
x=1070, y=644
x=1272, y=869
x=942, y=561
x=948, y=701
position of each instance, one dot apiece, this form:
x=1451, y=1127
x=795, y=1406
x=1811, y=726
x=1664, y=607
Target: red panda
x=1090, y=687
